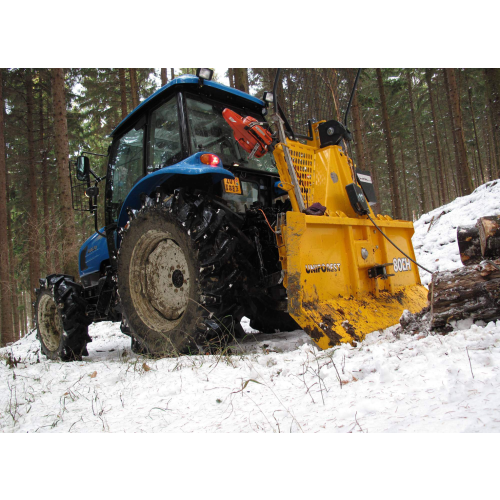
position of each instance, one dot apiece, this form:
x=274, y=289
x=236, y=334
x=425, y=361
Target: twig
x=470, y=364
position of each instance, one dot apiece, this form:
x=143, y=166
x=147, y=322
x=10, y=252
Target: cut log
x=468, y=292
x=469, y=245
x=489, y=236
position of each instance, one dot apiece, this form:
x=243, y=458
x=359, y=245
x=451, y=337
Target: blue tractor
x=187, y=249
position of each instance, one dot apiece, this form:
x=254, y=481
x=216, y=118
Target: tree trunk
x=357, y=128
x=133, y=87
x=62, y=154
x=45, y=196
x=422, y=202
x=172, y=73
x=33, y=250
x=464, y=170
x=441, y=186
x=241, y=79
x=404, y=178
x=123, y=92
x=493, y=96
x=468, y=292
x=7, y=333
x=428, y=170
x=164, y=79
x=393, y=179
x=335, y=94
x=469, y=91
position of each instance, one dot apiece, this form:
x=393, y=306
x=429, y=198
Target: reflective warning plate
x=232, y=186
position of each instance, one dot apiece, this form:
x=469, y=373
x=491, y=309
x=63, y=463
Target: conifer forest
x=427, y=136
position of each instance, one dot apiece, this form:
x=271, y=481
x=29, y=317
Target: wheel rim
x=49, y=322
x=159, y=280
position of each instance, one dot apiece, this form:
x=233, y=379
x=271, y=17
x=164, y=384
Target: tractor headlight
x=205, y=73
x=268, y=97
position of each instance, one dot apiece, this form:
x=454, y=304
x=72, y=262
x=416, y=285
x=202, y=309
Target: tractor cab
x=178, y=137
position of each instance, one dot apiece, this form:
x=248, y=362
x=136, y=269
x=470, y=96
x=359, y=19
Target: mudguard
x=189, y=166
x=92, y=253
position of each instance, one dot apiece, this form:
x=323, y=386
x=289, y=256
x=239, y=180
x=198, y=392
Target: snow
x=275, y=384
x=437, y=248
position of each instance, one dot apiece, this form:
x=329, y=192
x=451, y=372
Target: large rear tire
x=176, y=273
x=61, y=323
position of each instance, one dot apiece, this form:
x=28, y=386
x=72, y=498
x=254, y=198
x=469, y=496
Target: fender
x=189, y=166
x=92, y=253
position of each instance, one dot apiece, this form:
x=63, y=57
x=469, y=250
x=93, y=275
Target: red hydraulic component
x=249, y=134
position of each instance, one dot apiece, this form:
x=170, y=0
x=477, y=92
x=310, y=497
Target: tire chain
x=67, y=296
x=223, y=265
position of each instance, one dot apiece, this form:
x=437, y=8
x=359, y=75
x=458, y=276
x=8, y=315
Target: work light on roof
x=205, y=73
x=268, y=97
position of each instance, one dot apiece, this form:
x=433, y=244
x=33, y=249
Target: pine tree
x=62, y=154
x=393, y=178
x=7, y=333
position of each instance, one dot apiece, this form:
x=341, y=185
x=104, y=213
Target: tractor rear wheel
x=61, y=323
x=176, y=270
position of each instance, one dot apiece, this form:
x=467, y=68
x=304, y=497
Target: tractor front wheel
x=61, y=323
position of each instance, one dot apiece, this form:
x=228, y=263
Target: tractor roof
x=168, y=88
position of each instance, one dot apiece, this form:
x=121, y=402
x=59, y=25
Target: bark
x=12, y=268
x=357, y=129
x=335, y=96
x=172, y=73
x=441, y=185
x=396, y=203
x=469, y=245
x=422, y=202
x=70, y=250
x=33, y=251
x=164, y=79
x=123, y=92
x=134, y=90
x=453, y=131
x=241, y=79
x=493, y=96
x=404, y=178
x=7, y=333
x=45, y=196
x=428, y=170
x=231, y=77
x=481, y=171
x=464, y=170
x=468, y=292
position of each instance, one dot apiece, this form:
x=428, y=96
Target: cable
x=267, y=221
x=395, y=246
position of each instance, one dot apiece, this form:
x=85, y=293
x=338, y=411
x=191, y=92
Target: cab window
x=165, y=142
x=127, y=166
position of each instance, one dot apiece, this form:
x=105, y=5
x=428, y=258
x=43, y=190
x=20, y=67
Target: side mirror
x=83, y=168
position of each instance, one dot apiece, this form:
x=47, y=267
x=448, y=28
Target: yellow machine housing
x=326, y=258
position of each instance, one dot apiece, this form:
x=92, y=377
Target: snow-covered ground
x=282, y=383
x=436, y=248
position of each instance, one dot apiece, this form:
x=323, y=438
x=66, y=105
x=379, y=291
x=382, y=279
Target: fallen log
x=468, y=292
x=481, y=241
x=469, y=245
x=489, y=236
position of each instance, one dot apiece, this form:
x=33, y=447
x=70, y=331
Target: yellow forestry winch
x=343, y=278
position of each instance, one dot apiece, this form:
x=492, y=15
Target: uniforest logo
x=324, y=268
x=401, y=265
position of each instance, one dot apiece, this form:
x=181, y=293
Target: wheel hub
x=159, y=280
x=49, y=322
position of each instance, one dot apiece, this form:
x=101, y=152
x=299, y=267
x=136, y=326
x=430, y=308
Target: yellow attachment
x=326, y=259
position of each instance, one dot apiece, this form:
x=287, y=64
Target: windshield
x=210, y=132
